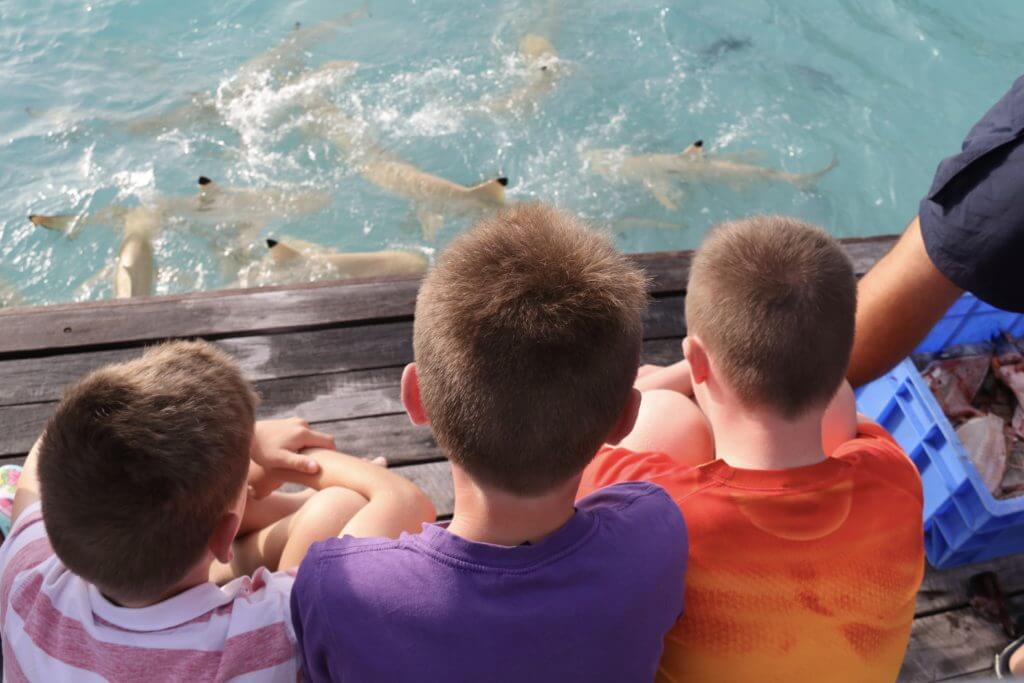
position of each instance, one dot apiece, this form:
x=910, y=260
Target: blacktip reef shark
x=544, y=70
x=206, y=107
x=135, y=272
x=298, y=254
x=660, y=173
x=282, y=60
x=212, y=203
x=432, y=196
x=284, y=55
x=246, y=208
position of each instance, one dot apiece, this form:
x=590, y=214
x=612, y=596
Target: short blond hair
x=139, y=463
x=527, y=338
x=774, y=299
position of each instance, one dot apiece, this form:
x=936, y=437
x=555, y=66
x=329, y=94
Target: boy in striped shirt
x=140, y=498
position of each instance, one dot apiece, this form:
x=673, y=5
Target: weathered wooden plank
x=228, y=313
x=290, y=354
x=48, y=329
x=953, y=643
x=319, y=398
x=984, y=675
x=947, y=589
x=391, y=436
x=20, y=426
x=326, y=397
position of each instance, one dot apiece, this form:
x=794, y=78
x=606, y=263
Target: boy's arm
x=675, y=377
x=27, y=492
x=394, y=504
x=277, y=446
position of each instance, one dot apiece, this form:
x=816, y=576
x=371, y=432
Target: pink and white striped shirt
x=57, y=627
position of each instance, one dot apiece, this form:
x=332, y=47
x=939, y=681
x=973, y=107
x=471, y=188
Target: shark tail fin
x=809, y=180
x=492, y=191
x=58, y=223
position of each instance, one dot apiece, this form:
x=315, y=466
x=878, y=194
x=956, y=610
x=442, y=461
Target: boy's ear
x=223, y=536
x=411, y=398
x=693, y=351
x=627, y=419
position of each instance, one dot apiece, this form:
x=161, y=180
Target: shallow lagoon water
x=888, y=87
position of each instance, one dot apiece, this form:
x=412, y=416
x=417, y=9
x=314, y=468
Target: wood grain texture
x=229, y=313
x=953, y=643
x=268, y=356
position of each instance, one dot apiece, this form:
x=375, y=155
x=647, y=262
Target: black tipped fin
x=698, y=143
x=203, y=180
x=503, y=181
x=271, y=243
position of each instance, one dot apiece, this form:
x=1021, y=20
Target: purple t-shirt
x=591, y=602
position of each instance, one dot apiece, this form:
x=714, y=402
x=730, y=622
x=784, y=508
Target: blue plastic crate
x=963, y=522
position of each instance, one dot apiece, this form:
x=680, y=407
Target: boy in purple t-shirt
x=527, y=335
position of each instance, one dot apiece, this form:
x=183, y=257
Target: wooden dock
x=333, y=354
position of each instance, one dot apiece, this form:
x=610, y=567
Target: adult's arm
x=899, y=301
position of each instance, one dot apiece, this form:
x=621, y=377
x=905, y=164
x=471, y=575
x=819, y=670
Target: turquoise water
x=887, y=86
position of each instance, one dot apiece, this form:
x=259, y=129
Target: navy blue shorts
x=973, y=217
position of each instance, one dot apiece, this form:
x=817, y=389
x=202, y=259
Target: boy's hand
x=275, y=452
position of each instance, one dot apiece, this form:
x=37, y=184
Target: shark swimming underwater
x=289, y=260
x=135, y=272
x=297, y=253
x=540, y=58
x=281, y=63
x=432, y=196
x=662, y=173
x=246, y=210
x=212, y=203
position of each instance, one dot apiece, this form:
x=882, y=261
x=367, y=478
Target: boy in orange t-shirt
x=806, y=547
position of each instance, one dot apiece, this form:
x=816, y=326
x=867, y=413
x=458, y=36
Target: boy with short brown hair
x=527, y=335
x=806, y=541
x=142, y=475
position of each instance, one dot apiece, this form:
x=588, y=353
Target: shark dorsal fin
x=694, y=150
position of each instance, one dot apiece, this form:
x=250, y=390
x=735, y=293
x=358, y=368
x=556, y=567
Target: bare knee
x=671, y=423
x=328, y=510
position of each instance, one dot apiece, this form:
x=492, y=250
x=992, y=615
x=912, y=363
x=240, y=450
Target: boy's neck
x=198, y=575
x=752, y=440
x=485, y=515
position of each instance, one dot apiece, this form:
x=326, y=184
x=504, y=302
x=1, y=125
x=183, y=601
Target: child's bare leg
x=671, y=423
x=282, y=544
x=323, y=517
x=265, y=511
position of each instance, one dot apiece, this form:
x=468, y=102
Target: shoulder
x=354, y=553
x=875, y=452
x=638, y=505
x=25, y=549
x=643, y=497
x=613, y=465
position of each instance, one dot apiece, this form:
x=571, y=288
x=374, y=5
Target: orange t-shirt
x=806, y=574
